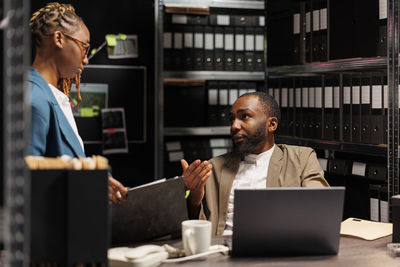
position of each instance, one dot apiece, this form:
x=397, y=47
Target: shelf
x=220, y=3
x=331, y=66
x=365, y=149
x=197, y=131
x=216, y=75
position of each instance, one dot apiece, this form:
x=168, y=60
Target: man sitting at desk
x=256, y=162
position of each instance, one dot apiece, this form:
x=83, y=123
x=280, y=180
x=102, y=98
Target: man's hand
x=116, y=191
x=195, y=177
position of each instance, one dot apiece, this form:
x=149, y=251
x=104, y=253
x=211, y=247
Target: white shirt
x=65, y=105
x=252, y=174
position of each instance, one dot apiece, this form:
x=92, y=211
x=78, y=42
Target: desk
x=352, y=252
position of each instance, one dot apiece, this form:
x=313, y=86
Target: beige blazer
x=289, y=166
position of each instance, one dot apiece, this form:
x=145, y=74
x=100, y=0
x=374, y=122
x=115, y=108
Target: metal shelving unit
x=197, y=131
x=216, y=75
x=330, y=66
x=252, y=4
x=364, y=149
x=160, y=75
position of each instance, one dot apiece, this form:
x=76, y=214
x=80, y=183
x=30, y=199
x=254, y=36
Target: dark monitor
x=126, y=89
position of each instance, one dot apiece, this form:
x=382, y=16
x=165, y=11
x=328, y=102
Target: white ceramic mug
x=196, y=236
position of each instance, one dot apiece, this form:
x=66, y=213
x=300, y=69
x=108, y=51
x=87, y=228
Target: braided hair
x=55, y=16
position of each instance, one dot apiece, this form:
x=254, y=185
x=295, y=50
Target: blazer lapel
x=274, y=168
x=68, y=133
x=65, y=127
x=228, y=173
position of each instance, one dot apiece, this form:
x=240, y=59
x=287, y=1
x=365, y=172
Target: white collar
x=260, y=158
x=60, y=96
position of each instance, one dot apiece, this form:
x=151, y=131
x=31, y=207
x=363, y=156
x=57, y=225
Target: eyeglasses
x=83, y=45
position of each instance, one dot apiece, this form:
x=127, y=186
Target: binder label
x=223, y=97
x=384, y=205
x=243, y=91
x=188, y=40
x=177, y=40
x=219, y=142
x=229, y=42
x=382, y=9
x=209, y=41
x=377, y=96
x=167, y=40
x=198, y=40
x=284, y=101
x=323, y=163
x=276, y=95
x=385, y=96
x=328, y=97
x=318, y=97
x=365, y=90
x=291, y=97
x=222, y=19
x=316, y=20
x=374, y=209
x=271, y=91
x=298, y=97
x=212, y=97
x=179, y=19
x=249, y=42
x=218, y=151
x=171, y=146
x=239, y=42
x=311, y=97
x=323, y=19
x=356, y=95
x=219, y=40
x=336, y=98
x=305, y=97
x=296, y=23
x=259, y=42
x=308, y=22
x=346, y=95
x=358, y=168
x=233, y=95
x=175, y=156
x=261, y=21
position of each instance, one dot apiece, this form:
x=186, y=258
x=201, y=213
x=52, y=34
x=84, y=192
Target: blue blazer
x=51, y=133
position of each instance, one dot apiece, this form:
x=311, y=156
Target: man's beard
x=252, y=142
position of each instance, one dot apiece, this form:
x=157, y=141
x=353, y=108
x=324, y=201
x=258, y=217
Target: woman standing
x=61, y=40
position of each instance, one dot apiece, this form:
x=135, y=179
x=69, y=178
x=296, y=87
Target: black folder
x=229, y=63
x=177, y=52
x=366, y=110
x=308, y=19
x=151, y=211
x=168, y=45
x=208, y=48
x=188, y=51
x=212, y=107
x=219, y=48
x=377, y=111
x=239, y=49
x=346, y=126
x=249, y=49
x=198, y=63
x=356, y=110
x=259, y=49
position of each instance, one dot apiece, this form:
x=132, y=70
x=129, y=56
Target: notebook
x=152, y=211
x=287, y=221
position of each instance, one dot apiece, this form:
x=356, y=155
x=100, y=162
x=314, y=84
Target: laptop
x=287, y=221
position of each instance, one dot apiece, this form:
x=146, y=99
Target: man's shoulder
x=295, y=150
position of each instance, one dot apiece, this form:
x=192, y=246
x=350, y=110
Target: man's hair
x=270, y=106
x=55, y=16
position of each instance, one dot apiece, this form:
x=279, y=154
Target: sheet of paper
x=365, y=229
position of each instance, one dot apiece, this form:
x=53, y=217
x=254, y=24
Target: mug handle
x=189, y=241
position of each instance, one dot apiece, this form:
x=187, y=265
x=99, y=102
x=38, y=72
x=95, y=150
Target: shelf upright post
x=16, y=42
x=159, y=91
x=393, y=83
